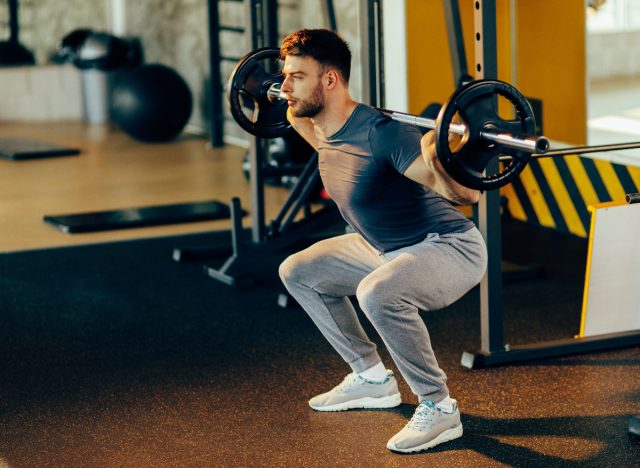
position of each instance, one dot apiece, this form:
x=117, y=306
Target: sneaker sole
x=367, y=402
x=446, y=436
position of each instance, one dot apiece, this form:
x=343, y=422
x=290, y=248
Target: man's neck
x=333, y=117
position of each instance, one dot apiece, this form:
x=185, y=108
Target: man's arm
x=304, y=127
x=427, y=170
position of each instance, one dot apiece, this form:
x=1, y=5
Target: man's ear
x=332, y=78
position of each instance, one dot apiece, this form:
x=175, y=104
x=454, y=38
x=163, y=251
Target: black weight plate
x=476, y=103
x=247, y=94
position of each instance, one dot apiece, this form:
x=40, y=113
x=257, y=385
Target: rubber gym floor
x=114, y=355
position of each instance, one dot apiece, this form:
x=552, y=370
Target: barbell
x=258, y=105
x=481, y=143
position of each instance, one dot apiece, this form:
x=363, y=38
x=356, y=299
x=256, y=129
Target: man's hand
x=441, y=182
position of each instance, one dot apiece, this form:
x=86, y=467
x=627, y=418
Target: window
x=613, y=15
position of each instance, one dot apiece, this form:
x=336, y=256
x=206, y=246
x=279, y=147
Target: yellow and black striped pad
x=555, y=192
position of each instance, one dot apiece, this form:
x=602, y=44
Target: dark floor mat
x=114, y=355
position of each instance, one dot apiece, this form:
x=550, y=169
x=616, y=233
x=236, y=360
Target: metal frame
x=215, y=82
x=284, y=230
x=255, y=11
x=493, y=350
x=330, y=14
x=371, y=51
x=263, y=30
x=456, y=42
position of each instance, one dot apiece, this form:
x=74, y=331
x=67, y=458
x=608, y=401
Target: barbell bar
x=532, y=144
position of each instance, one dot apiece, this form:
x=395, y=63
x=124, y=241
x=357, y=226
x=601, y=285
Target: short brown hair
x=323, y=45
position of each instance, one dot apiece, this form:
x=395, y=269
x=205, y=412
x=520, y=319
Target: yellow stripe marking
x=568, y=210
x=609, y=204
x=634, y=172
x=610, y=178
x=585, y=187
x=587, y=276
x=515, y=207
x=537, y=199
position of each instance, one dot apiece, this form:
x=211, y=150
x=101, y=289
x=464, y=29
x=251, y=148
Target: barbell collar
x=530, y=144
x=576, y=150
x=274, y=94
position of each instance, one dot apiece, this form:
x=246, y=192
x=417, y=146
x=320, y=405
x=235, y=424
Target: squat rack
x=285, y=229
x=493, y=350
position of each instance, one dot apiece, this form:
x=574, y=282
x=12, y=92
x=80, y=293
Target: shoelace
x=422, y=416
x=354, y=377
x=348, y=381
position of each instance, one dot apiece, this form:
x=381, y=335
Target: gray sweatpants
x=391, y=288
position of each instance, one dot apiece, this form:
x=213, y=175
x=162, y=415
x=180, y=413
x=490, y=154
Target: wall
x=544, y=56
x=549, y=49
x=430, y=75
x=48, y=92
x=552, y=64
x=614, y=54
x=174, y=33
x=43, y=23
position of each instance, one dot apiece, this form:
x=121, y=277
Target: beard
x=312, y=106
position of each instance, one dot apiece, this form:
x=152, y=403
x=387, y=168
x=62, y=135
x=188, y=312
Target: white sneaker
x=358, y=392
x=428, y=427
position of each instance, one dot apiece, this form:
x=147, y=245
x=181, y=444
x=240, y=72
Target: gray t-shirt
x=361, y=166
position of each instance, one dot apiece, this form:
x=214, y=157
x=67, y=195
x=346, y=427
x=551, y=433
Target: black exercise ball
x=151, y=103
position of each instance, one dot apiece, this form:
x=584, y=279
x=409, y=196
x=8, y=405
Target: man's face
x=303, y=86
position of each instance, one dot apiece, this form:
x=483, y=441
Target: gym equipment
x=492, y=349
x=486, y=135
x=11, y=51
x=250, y=91
x=475, y=103
x=238, y=268
x=484, y=131
x=106, y=52
x=284, y=161
x=151, y=103
x=100, y=56
x=89, y=50
x=138, y=217
x=70, y=44
x=611, y=303
x=21, y=149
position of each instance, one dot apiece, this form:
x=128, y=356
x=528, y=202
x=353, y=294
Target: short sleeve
x=395, y=143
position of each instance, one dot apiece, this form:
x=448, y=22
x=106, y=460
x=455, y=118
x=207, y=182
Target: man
x=411, y=249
